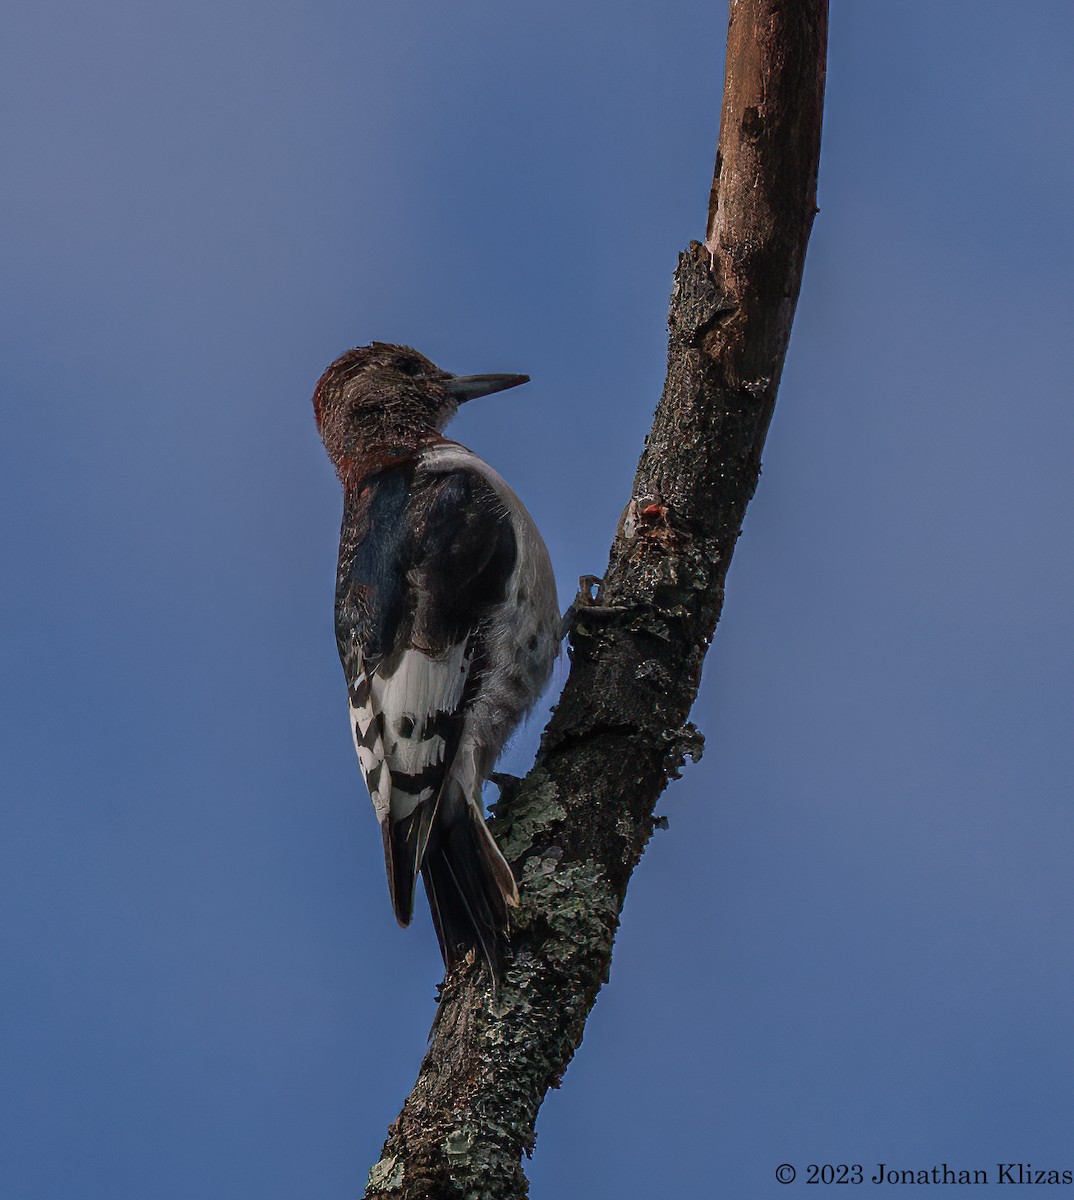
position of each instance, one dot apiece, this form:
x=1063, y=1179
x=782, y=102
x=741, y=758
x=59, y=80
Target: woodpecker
x=447, y=626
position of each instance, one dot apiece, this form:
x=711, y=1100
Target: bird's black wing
x=425, y=558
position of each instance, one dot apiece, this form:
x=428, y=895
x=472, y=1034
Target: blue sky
x=854, y=942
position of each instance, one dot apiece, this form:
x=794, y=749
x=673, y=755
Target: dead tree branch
x=577, y=828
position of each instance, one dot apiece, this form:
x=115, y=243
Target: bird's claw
x=590, y=600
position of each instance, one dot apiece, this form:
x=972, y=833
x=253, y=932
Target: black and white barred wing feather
x=418, y=594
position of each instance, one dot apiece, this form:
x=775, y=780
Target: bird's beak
x=469, y=387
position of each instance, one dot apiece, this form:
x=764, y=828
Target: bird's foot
x=590, y=600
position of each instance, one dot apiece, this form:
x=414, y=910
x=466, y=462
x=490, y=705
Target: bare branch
x=578, y=826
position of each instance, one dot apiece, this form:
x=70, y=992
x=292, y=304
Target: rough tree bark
x=577, y=827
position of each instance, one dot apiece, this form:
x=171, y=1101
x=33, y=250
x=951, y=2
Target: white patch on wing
x=421, y=688
x=370, y=750
x=411, y=756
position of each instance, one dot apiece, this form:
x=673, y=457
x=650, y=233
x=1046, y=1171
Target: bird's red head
x=379, y=400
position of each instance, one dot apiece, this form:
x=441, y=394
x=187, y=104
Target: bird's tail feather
x=404, y=847
x=470, y=886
